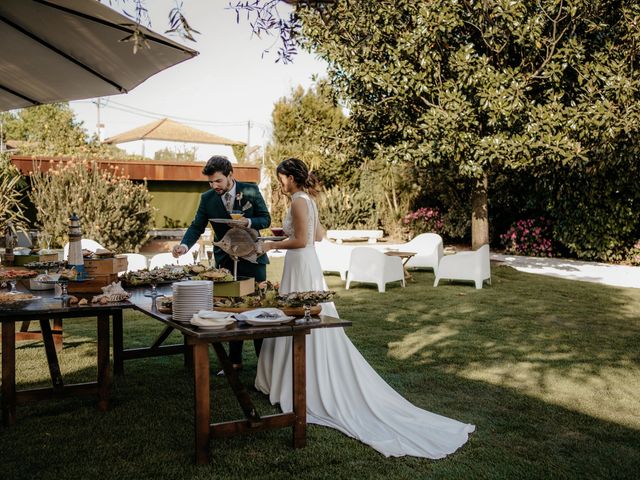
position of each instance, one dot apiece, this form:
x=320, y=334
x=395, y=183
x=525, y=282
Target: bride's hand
x=264, y=247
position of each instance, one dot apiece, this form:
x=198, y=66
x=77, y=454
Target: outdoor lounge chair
x=473, y=266
x=368, y=265
x=428, y=248
x=334, y=257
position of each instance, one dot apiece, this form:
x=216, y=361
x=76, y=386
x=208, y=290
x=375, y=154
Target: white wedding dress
x=343, y=391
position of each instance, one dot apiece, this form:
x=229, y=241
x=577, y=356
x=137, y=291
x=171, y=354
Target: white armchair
x=473, y=266
x=162, y=259
x=333, y=257
x=368, y=265
x=428, y=247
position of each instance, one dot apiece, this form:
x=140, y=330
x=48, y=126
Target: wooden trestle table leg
x=103, y=361
x=200, y=353
x=299, y=390
x=57, y=334
x=8, y=373
x=118, y=343
x=52, y=357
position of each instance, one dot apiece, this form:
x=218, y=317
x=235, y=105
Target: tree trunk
x=479, y=214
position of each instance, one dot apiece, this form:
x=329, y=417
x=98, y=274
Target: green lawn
x=547, y=369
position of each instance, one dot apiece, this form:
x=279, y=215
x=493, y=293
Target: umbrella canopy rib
x=64, y=50
x=19, y=95
x=54, y=49
x=122, y=28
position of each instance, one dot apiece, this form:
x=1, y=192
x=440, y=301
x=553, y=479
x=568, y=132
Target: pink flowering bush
x=531, y=237
x=423, y=220
x=634, y=254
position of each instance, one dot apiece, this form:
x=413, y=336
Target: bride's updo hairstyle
x=304, y=179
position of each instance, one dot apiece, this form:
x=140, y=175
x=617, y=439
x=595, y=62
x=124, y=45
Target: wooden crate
x=239, y=288
x=93, y=285
x=105, y=266
x=20, y=260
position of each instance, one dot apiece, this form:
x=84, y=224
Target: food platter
x=293, y=311
x=10, y=301
x=13, y=274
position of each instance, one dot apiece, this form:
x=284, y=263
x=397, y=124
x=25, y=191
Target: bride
x=343, y=390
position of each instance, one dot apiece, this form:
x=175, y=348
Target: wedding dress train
x=343, y=391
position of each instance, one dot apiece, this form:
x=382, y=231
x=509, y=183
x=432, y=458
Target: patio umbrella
x=61, y=50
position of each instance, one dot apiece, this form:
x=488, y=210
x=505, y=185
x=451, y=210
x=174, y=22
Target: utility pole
x=248, y=133
x=99, y=125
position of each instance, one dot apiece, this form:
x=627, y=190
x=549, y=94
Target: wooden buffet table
x=43, y=311
x=197, y=343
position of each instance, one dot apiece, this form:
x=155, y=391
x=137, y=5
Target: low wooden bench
x=340, y=235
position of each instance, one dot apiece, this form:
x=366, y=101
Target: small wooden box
x=20, y=260
x=105, y=266
x=93, y=285
x=238, y=288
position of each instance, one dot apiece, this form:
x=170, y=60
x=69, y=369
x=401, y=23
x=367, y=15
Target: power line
x=142, y=111
x=156, y=115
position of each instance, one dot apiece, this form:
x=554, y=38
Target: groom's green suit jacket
x=248, y=199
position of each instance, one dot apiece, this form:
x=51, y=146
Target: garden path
x=607, y=274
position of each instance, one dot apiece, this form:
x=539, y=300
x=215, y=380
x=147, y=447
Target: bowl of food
x=44, y=281
x=15, y=301
x=236, y=214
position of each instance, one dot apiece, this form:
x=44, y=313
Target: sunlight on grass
x=611, y=395
x=547, y=369
x=419, y=340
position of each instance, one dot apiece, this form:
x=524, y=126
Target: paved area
x=615, y=275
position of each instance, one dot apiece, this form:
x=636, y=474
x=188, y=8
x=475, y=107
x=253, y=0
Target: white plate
x=257, y=322
x=192, y=283
x=203, y=323
x=214, y=315
x=221, y=327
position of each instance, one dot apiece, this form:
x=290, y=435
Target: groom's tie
x=228, y=201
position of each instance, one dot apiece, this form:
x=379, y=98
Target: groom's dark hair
x=218, y=163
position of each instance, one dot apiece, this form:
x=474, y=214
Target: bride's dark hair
x=305, y=179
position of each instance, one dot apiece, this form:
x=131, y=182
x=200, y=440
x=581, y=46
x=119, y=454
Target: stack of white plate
x=190, y=297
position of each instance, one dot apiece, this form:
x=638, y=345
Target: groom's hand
x=179, y=250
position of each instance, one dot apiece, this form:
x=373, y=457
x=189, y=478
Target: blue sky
x=229, y=83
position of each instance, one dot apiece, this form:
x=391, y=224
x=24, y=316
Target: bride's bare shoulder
x=298, y=205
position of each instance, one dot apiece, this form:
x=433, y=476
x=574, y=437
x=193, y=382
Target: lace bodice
x=312, y=218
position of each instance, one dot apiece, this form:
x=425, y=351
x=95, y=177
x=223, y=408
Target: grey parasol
x=61, y=50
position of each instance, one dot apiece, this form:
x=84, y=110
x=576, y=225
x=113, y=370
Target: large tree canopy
x=533, y=84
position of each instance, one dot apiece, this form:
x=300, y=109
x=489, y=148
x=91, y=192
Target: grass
x=547, y=369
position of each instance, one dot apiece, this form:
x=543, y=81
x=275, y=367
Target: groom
x=227, y=194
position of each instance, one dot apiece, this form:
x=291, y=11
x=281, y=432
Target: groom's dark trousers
x=245, y=269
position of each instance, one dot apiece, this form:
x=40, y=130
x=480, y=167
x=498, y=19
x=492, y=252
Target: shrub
x=596, y=213
x=423, y=220
x=342, y=209
x=633, y=255
x=12, y=186
x=531, y=237
x=113, y=210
